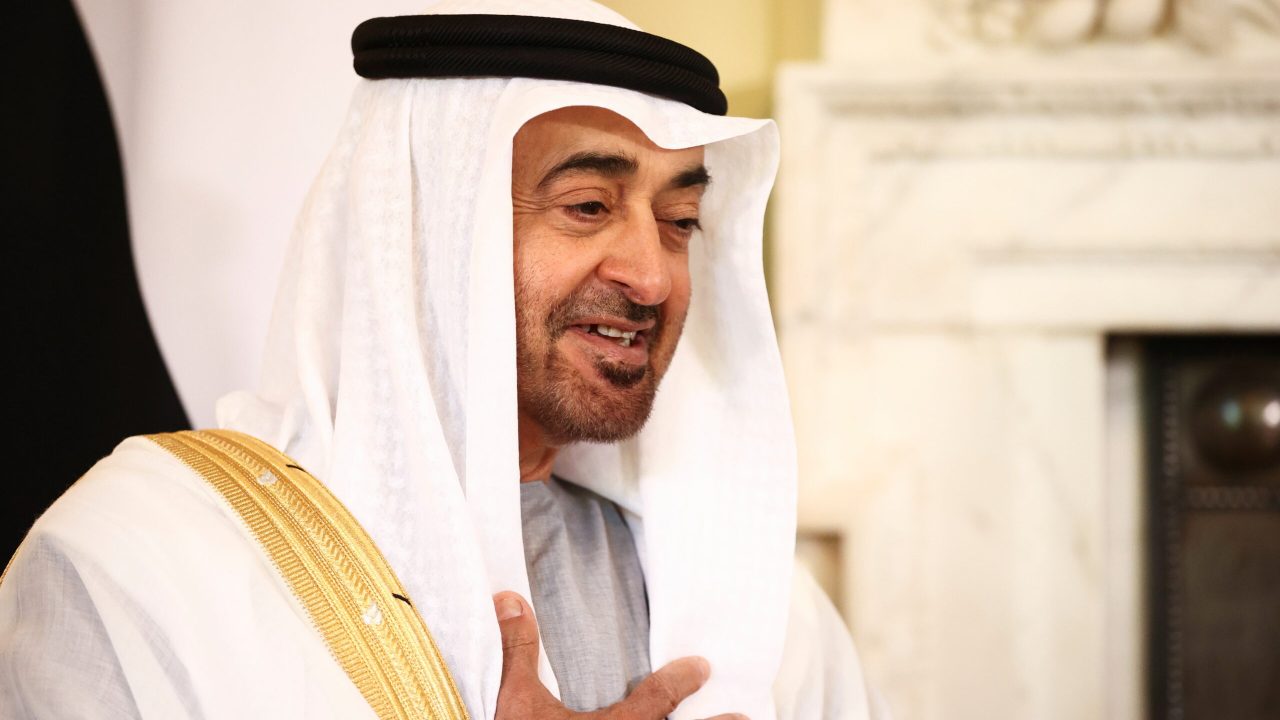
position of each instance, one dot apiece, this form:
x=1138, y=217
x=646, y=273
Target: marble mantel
x=957, y=244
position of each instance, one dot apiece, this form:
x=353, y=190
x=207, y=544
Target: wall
x=746, y=39
x=971, y=204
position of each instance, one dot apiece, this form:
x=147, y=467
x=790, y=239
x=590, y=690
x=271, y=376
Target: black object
x=84, y=371
x=1213, y=429
x=536, y=47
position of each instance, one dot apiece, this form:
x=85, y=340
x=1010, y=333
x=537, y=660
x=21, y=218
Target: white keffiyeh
x=390, y=375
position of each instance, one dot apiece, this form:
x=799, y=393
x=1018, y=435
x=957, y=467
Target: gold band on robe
x=333, y=568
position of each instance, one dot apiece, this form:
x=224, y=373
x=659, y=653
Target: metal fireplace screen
x=1213, y=424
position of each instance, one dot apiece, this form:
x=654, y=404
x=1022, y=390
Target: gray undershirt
x=588, y=592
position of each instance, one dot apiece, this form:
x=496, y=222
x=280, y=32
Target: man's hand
x=523, y=697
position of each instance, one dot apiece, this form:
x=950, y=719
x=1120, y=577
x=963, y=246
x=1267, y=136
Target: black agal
x=536, y=47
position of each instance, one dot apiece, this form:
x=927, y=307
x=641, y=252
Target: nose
x=636, y=261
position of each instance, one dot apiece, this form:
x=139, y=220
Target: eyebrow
x=692, y=177
x=615, y=165
x=609, y=165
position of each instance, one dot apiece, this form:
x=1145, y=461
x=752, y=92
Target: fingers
x=519, y=636
x=522, y=694
x=658, y=695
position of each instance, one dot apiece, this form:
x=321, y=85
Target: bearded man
x=493, y=274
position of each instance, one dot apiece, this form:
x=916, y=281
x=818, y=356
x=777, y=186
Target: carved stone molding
x=905, y=112
x=1149, y=144
x=1203, y=28
x=1250, y=93
x=954, y=244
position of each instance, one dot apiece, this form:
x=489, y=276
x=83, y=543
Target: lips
x=623, y=337
x=627, y=346
x=617, y=323
x=600, y=325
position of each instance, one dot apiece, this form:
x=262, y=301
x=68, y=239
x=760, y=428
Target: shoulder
x=821, y=674
x=136, y=500
x=136, y=469
x=144, y=525
x=164, y=569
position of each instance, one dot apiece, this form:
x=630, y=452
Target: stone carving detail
x=1208, y=25
x=1254, y=102
x=1251, y=96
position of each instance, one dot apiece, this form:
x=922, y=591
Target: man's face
x=603, y=222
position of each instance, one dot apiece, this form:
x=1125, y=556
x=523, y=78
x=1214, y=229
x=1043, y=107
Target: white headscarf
x=390, y=375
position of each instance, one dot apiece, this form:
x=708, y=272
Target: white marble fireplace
x=968, y=224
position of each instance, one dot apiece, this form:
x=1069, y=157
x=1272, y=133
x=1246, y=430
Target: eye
x=687, y=225
x=591, y=209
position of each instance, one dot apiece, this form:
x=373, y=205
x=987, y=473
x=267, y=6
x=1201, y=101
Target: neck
x=537, y=453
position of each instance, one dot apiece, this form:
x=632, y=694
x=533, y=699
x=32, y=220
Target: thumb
x=519, y=632
x=658, y=695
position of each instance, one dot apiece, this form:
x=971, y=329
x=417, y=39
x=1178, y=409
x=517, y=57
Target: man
x=526, y=225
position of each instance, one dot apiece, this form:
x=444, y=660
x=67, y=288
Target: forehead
x=552, y=136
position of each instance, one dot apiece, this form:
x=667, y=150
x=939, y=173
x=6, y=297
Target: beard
x=568, y=404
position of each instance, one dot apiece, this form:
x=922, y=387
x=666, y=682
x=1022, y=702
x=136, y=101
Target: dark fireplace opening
x=1212, y=424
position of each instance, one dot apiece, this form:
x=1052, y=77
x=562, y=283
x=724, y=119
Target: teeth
x=624, y=337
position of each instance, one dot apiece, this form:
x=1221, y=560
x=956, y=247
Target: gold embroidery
x=334, y=569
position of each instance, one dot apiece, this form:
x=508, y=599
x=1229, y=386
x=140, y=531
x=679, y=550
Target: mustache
x=598, y=301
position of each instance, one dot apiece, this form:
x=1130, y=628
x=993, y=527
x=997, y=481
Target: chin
x=609, y=413
x=604, y=405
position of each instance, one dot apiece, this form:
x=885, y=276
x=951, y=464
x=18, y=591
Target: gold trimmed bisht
x=333, y=568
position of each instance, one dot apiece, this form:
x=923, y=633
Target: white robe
x=390, y=375
x=141, y=594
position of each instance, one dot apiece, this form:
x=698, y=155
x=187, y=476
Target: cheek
x=535, y=260
x=681, y=289
x=532, y=299
x=546, y=272
x=675, y=312
x=541, y=253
